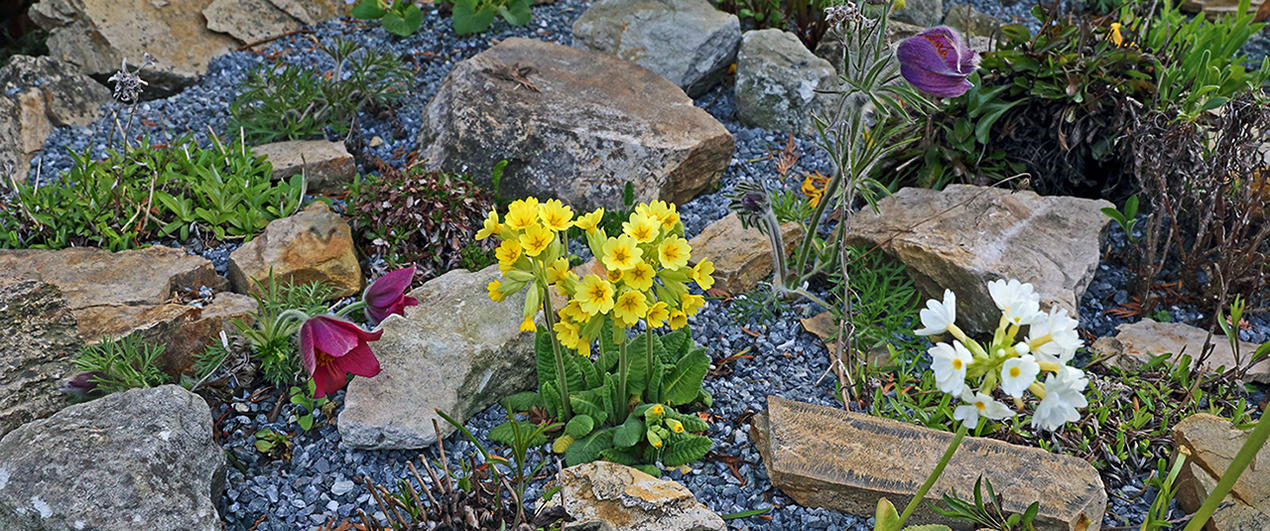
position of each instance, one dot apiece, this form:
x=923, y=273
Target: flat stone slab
x=963, y=237
x=742, y=257
x=1210, y=443
x=327, y=166
x=1136, y=343
x=825, y=457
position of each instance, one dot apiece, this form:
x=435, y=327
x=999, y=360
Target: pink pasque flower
x=331, y=347
x=387, y=295
x=937, y=61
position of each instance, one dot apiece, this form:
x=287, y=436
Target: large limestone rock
x=37, y=346
x=40, y=94
x=142, y=459
x=573, y=124
x=966, y=236
x=1209, y=444
x=777, y=80
x=458, y=351
x=742, y=257
x=827, y=457
x=95, y=36
x=1136, y=343
x=327, y=166
x=254, y=20
x=688, y=42
x=315, y=245
x=625, y=499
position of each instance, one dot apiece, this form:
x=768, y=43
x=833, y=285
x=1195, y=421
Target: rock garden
x=633, y=265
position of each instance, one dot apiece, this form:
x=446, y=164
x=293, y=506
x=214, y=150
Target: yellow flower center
x=981, y=406
x=956, y=364
x=1014, y=372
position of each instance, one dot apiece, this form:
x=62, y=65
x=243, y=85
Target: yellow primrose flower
x=535, y=239
x=621, y=253
x=495, y=291
x=690, y=303
x=492, y=226
x=567, y=333
x=1116, y=38
x=573, y=312
x=675, y=425
x=658, y=410
x=595, y=295
x=658, y=313
x=702, y=274
x=642, y=227
x=522, y=213
x=640, y=277
x=673, y=253
x=528, y=325
x=590, y=221
x=663, y=211
x=613, y=275
x=677, y=319
x=507, y=253
x=630, y=307
x=555, y=215
x=557, y=270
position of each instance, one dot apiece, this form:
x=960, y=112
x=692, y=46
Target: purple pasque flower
x=937, y=61
x=83, y=386
x=330, y=347
x=387, y=295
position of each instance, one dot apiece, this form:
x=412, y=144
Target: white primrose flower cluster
x=1050, y=344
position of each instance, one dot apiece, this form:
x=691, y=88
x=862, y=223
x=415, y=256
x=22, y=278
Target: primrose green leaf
x=579, y=426
x=886, y=518
x=588, y=449
x=367, y=9
x=467, y=19
x=517, y=13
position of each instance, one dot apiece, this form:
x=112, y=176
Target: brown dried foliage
x=421, y=217
x=1206, y=187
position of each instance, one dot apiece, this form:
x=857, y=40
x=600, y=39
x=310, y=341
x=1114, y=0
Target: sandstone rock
x=458, y=351
x=578, y=126
x=315, y=245
x=742, y=257
x=924, y=13
x=254, y=20
x=95, y=36
x=327, y=166
x=40, y=94
x=688, y=42
x=142, y=459
x=37, y=348
x=971, y=22
x=604, y=493
x=966, y=236
x=1136, y=343
x=826, y=457
x=1209, y=444
x=776, y=83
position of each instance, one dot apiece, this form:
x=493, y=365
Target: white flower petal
x=937, y=317
x=1017, y=374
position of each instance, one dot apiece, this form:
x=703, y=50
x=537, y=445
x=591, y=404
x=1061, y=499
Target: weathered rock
x=95, y=36
x=1136, y=343
x=458, y=351
x=924, y=13
x=1209, y=444
x=603, y=493
x=966, y=236
x=826, y=457
x=688, y=42
x=577, y=126
x=142, y=459
x=970, y=21
x=327, y=166
x=40, y=94
x=742, y=257
x=254, y=20
x=777, y=81
x=37, y=347
x=315, y=245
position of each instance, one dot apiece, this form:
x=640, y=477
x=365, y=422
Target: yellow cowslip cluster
x=645, y=274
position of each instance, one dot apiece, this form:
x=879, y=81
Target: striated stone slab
x=742, y=257
x=457, y=351
x=573, y=124
x=96, y=277
x=825, y=457
x=603, y=493
x=327, y=166
x=1209, y=444
x=963, y=237
x=38, y=343
x=315, y=245
x=1136, y=343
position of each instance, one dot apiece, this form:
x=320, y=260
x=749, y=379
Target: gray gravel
x=323, y=480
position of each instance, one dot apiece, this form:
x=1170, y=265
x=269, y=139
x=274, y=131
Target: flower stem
x=648, y=348
x=566, y=411
x=623, y=369
x=343, y=312
x=934, y=474
x=1246, y=453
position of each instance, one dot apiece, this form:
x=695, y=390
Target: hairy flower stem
x=623, y=369
x=648, y=348
x=1246, y=453
x=566, y=411
x=934, y=475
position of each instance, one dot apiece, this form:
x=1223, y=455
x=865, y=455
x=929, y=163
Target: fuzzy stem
x=648, y=348
x=566, y=411
x=934, y=475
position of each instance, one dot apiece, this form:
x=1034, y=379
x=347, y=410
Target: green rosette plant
x=617, y=404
